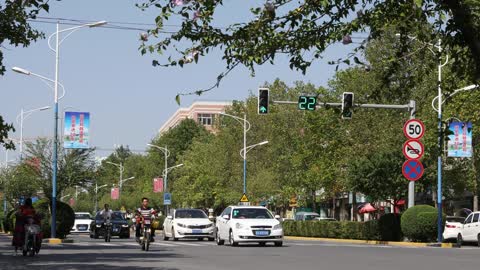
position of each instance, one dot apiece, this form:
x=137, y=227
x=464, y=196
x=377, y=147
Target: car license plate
x=196, y=231
x=115, y=229
x=82, y=227
x=261, y=233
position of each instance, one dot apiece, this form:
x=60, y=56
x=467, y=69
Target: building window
x=205, y=119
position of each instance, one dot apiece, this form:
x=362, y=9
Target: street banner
x=460, y=139
x=115, y=193
x=76, y=133
x=157, y=185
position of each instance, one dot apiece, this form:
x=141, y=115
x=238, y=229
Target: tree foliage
x=303, y=30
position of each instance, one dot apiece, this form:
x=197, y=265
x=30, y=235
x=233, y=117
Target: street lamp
x=23, y=115
x=246, y=127
x=96, y=192
x=167, y=154
x=55, y=130
x=121, y=168
x=64, y=197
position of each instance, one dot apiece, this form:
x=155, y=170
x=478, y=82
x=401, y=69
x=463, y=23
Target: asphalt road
x=125, y=254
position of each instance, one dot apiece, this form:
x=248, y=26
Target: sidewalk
x=371, y=242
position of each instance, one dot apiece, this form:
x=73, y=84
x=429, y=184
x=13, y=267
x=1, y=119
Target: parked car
x=453, y=224
x=188, y=223
x=306, y=216
x=82, y=222
x=324, y=219
x=239, y=224
x=119, y=226
x=470, y=230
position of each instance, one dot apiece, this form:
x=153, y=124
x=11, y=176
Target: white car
x=239, y=224
x=470, y=230
x=452, y=227
x=82, y=222
x=188, y=223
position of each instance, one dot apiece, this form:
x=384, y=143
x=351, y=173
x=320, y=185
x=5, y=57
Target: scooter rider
x=144, y=212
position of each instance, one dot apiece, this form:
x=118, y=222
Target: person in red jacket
x=23, y=213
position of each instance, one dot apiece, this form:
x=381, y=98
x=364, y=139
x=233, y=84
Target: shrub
x=419, y=223
x=65, y=218
x=389, y=227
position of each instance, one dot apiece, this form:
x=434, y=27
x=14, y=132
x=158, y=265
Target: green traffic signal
x=263, y=100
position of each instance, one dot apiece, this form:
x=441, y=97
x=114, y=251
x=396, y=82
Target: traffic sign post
x=167, y=198
x=414, y=129
x=413, y=149
x=412, y=169
x=244, y=200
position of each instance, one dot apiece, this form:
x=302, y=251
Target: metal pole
x=439, y=169
x=121, y=180
x=96, y=199
x=55, y=141
x=411, y=184
x=245, y=153
x=21, y=133
x=166, y=176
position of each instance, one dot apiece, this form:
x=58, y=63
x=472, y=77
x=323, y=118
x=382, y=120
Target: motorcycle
x=146, y=234
x=108, y=231
x=31, y=245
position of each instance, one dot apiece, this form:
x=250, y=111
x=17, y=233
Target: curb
x=57, y=241
x=372, y=242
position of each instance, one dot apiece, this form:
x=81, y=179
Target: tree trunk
x=314, y=205
x=353, y=211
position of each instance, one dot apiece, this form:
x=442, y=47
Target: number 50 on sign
x=414, y=129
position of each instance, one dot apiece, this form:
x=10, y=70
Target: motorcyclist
x=144, y=213
x=106, y=213
x=24, y=213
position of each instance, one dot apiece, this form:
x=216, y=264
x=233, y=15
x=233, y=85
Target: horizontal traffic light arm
x=378, y=106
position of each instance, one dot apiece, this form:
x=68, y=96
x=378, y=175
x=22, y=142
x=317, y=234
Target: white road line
x=107, y=244
x=164, y=244
x=187, y=244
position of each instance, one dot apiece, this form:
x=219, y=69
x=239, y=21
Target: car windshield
x=311, y=216
x=456, y=219
x=190, y=213
x=245, y=213
x=115, y=216
x=82, y=216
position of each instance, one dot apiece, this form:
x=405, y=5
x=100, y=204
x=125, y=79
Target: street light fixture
x=246, y=127
x=167, y=154
x=23, y=115
x=96, y=192
x=55, y=132
x=121, y=168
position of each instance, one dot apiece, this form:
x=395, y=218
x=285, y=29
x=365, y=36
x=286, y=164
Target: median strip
x=370, y=242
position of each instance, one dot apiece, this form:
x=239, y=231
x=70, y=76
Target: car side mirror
x=277, y=217
x=170, y=217
x=227, y=217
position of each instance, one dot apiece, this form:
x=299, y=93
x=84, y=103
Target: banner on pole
x=460, y=139
x=115, y=193
x=76, y=133
x=157, y=185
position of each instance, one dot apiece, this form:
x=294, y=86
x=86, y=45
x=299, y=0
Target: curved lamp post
x=56, y=84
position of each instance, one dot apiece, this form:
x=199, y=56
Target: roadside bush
x=370, y=230
x=389, y=227
x=65, y=218
x=419, y=223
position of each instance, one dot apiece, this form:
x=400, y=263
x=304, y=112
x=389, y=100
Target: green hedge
x=65, y=218
x=419, y=223
x=387, y=228
x=333, y=229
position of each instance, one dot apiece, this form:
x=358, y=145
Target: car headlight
x=240, y=226
x=277, y=227
x=98, y=226
x=181, y=225
x=124, y=225
x=209, y=225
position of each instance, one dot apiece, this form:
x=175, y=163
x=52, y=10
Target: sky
x=104, y=74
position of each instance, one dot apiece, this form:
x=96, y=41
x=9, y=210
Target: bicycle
x=108, y=231
x=30, y=245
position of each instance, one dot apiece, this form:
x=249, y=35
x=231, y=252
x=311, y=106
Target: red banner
x=71, y=202
x=115, y=193
x=157, y=185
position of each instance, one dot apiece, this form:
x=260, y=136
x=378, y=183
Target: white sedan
x=188, y=223
x=82, y=222
x=238, y=224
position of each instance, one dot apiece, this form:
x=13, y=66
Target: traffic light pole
x=411, y=107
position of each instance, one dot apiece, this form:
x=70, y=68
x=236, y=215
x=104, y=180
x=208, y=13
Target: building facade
x=203, y=112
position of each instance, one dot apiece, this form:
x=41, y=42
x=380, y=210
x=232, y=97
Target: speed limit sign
x=414, y=129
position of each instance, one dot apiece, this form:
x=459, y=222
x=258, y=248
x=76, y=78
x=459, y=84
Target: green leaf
x=177, y=99
x=419, y=3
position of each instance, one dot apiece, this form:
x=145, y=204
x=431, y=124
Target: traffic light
x=347, y=105
x=307, y=103
x=263, y=100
